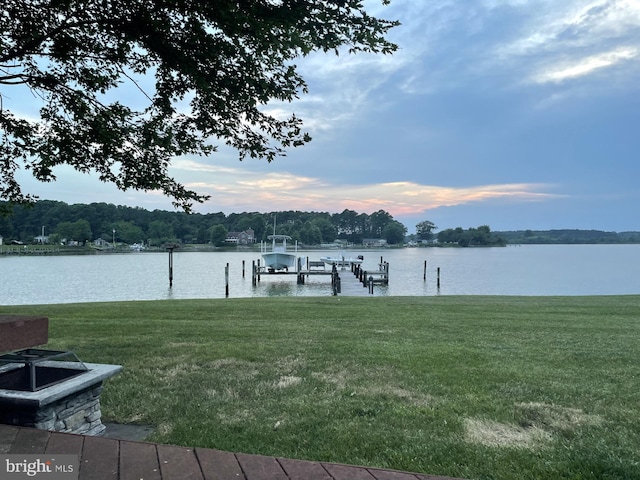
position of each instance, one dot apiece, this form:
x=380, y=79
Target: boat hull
x=279, y=260
x=341, y=261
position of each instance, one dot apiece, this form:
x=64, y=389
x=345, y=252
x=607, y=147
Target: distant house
x=41, y=239
x=241, y=238
x=374, y=242
x=101, y=243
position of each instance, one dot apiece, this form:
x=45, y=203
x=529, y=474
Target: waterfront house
x=241, y=238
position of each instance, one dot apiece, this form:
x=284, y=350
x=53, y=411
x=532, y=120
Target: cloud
x=447, y=45
x=553, y=27
x=557, y=41
x=343, y=87
x=586, y=66
x=238, y=190
x=340, y=88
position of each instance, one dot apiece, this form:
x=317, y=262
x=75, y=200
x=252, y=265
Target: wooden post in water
x=299, y=274
x=424, y=273
x=253, y=273
x=226, y=280
x=258, y=270
x=242, y=268
x=371, y=285
x=170, y=266
x=438, y=278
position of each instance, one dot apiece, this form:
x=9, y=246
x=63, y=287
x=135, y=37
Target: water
x=524, y=270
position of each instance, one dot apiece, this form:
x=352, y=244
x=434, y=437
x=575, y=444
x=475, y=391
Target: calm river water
x=517, y=270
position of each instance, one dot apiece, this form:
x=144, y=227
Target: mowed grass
x=472, y=387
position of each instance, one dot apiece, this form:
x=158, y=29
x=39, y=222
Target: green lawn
x=473, y=387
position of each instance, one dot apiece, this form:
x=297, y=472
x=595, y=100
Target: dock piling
x=299, y=274
x=170, y=266
x=226, y=280
x=253, y=273
x=335, y=280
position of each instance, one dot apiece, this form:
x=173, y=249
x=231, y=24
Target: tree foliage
x=568, y=237
x=79, y=231
x=214, y=65
x=218, y=235
x=480, y=236
x=394, y=232
x=136, y=225
x=127, y=232
x=425, y=229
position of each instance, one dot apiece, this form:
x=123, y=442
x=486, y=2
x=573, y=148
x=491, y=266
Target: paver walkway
x=106, y=458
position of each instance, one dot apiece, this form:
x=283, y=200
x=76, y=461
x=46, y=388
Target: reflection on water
x=526, y=270
x=278, y=289
x=279, y=286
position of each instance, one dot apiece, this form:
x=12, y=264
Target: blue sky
x=515, y=113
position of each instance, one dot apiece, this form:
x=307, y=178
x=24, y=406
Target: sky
x=517, y=114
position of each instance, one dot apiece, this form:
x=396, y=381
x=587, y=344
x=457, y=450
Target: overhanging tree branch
x=227, y=57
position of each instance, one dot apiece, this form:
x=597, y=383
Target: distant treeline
x=84, y=223
x=472, y=237
x=567, y=236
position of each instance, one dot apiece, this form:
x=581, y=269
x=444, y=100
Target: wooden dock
x=353, y=281
x=112, y=459
x=350, y=285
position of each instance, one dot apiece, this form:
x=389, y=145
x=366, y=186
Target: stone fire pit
x=42, y=388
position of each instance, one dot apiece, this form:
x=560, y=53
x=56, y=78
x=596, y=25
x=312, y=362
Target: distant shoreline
x=48, y=250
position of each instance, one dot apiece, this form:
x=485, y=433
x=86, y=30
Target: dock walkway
x=111, y=459
x=350, y=286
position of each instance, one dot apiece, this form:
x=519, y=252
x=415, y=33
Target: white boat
x=278, y=258
x=342, y=260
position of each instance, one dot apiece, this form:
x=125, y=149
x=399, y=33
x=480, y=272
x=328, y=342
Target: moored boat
x=342, y=260
x=278, y=258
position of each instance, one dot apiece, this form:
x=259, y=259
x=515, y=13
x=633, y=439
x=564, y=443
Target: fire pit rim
x=96, y=373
